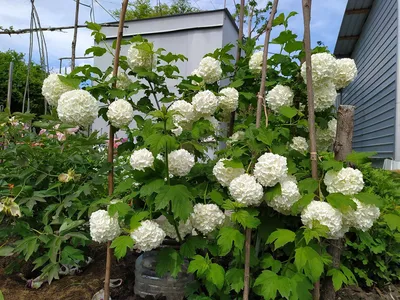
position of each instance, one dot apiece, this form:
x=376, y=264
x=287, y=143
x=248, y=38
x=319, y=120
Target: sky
x=326, y=18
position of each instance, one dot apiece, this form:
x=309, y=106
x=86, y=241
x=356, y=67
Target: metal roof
x=355, y=15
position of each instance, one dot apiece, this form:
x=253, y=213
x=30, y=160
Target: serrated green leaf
x=309, y=185
x=159, y=142
x=267, y=284
x=246, y=218
x=188, y=249
x=288, y=111
x=368, y=198
x=293, y=46
x=121, y=245
x=227, y=237
x=316, y=232
x=216, y=275
x=6, y=251
x=338, y=278
x=168, y=260
x=281, y=237
x=70, y=255
x=359, y=157
x=120, y=207
x=233, y=164
x=302, y=203
x=332, y=164
x=69, y=224
x=269, y=262
x=274, y=191
x=236, y=83
x=151, y=187
x=278, y=20
x=351, y=279
x=235, y=278
x=392, y=221
x=199, y=264
x=216, y=197
x=310, y=262
x=341, y=202
x=136, y=218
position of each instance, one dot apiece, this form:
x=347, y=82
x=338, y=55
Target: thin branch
x=75, y=35
x=249, y=31
x=28, y=30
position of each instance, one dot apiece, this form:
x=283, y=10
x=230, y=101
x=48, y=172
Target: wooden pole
x=9, y=90
x=110, y=156
x=75, y=35
x=238, y=52
x=342, y=148
x=310, y=96
x=260, y=103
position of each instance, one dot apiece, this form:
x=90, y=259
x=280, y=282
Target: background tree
x=37, y=75
x=142, y=9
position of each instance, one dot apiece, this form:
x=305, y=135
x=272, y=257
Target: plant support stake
x=75, y=35
x=110, y=156
x=310, y=97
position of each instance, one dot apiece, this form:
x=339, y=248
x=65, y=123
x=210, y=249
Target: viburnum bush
x=179, y=177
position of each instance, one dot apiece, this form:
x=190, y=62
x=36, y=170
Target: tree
x=36, y=77
x=142, y=9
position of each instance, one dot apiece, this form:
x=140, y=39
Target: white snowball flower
x=123, y=80
x=324, y=96
x=77, y=107
x=270, y=169
x=326, y=137
x=184, y=228
x=205, y=103
x=290, y=195
x=141, y=159
x=246, y=190
x=347, y=181
x=53, y=88
x=323, y=67
x=148, y=236
x=299, y=144
x=229, y=101
x=209, y=69
x=141, y=58
x=326, y=215
x=206, y=217
x=363, y=217
x=279, y=96
x=177, y=131
x=255, y=63
x=224, y=174
x=180, y=162
x=103, y=227
x=346, y=71
x=236, y=137
x=120, y=113
x=184, y=112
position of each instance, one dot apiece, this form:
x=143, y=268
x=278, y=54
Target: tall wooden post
x=10, y=80
x=75, y=35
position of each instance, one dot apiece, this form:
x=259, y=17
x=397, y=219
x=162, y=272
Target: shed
x=192, y=34
x=369, y=35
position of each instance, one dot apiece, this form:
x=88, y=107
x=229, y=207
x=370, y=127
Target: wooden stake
x=310, y=96
x=238, y=52
x=260, y=103
x=75, y=35
x=110, y=153
x=342, y=148
x=9, y=90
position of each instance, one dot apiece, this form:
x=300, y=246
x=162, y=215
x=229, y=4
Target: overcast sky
x=325, y=22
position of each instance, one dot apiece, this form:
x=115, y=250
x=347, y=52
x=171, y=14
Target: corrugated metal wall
x=374, y=90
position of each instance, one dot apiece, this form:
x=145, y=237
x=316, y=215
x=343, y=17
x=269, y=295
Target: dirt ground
x=86, y=284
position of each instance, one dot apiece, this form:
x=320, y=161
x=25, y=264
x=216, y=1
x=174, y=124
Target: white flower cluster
x=279, y=96
x=255, y=63
x=326, y=215
x=290, y=195
x=236, y=137
x=120, y=113
x=270, y=169
x=103, y=227
x=123, y=80
x=363, y=217
x=299, y=144
x=184, y=228
x=224, y=174
x=206, y=217
x=346, y=71
x=141, y=58
x=180, y=162
x=141, y=159
x=229, y=100
x=53, y=88
x=77, y=107
x=246, y=190
x=328, y=75
x=148, y=236
x=209, y=69
x=347, y=181
x=324, y=96
x=205, y=103
x=326, y=137
x=184, y=113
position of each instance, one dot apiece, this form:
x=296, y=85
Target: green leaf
x=69, y=224
x=27, y=246
x=288, y=111
x=54, y=247
x=72, y=82
x=358, y=158
x=96, y=50
x=293, y=46
x=93, y=26
x=188, y=249
x=159, y=142
x=279, y=20
x=6, y=251
x=309, y=185
x=281, y=237
x=338, y=278
x=332, y=164
x=216, y=275
x=302, y=203
x=368, y=198
x=124, y=185
x=228, y=236
x=246, y=218
x=199, y=264
x=40, y=261
x=392, y=221
x=136, y=218
x=121, y=245
x=216, y=197
x=236, y=83
x=306, y=259
x=274, y=191
x=351, y=279
x=151, y=187
x=168, y=260
x=284, y=37
x=120, y=207
x=316, y=232
x=235, y=278
x=266, y=136
x=269, y=262
x=233, y=164
x=71, y=255
x=342, y=202
x=76, y=235
x=267, y=284
x=1, y=296
x=180, y=197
